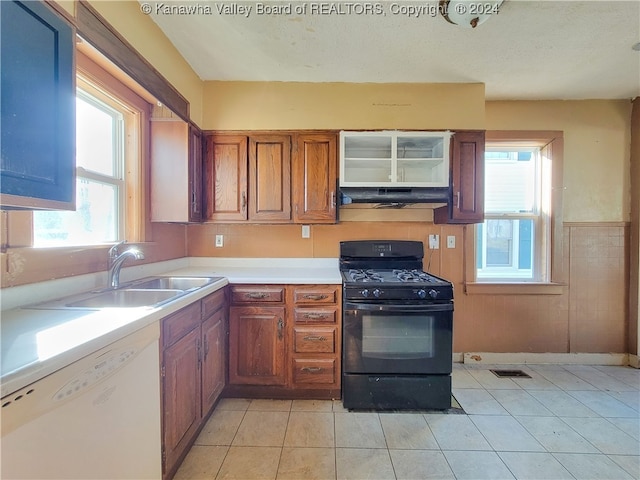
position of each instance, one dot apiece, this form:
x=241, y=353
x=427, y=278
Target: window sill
x=528, y=288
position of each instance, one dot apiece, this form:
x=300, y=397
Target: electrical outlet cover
x=451, y=241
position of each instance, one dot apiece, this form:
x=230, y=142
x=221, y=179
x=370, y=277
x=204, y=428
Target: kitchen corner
x=65, y=356
x=38, y=342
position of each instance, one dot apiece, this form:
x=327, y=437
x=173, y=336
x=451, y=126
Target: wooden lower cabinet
x=192, y=373
x=284, y=341
x=214, y=339
x=257, y=346
x=181, y=388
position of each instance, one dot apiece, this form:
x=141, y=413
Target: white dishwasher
x=98, y=418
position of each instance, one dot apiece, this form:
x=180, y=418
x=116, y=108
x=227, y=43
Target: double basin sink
x=147, y=292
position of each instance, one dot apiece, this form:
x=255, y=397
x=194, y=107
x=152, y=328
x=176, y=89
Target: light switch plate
x=306, y=231
x=219, y=240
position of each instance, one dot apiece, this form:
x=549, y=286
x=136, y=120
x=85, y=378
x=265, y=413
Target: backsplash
x=590, y=315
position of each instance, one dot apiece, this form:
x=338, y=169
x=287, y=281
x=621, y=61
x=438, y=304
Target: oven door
x=397, y=339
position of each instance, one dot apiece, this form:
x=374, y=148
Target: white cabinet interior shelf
x=394, y=158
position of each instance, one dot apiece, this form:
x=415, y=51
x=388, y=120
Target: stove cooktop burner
x=390, y=276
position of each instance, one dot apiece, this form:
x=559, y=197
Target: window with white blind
x=510, y=243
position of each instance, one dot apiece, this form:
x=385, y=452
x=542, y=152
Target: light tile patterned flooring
x=566, y=422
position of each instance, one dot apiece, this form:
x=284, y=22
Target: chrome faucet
x=116, y=260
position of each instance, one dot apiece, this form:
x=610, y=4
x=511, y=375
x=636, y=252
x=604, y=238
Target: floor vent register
x=510, y=374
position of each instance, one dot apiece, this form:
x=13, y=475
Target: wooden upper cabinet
x=37, y=167
x=176, y=171
x=196, y=205
x=226, y=177
x=270, y=178
x=466, y=204
x=248, y=178
x=314, y=173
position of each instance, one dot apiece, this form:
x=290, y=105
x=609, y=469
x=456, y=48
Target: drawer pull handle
x=312, y=369
x=315, y=338
x=314, y=296
x=316, y=316
x=256, y=295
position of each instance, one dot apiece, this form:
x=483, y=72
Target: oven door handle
x=377, y=307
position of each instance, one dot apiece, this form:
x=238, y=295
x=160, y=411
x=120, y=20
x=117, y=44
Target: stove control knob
x=422, y=293
x=376, y=293
x=364, y=293
x=433, y=293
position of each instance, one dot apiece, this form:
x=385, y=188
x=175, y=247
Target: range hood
x=394, y=195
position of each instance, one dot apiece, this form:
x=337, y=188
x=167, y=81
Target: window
x=111, y=136
x=99, y=214
x=511, y=243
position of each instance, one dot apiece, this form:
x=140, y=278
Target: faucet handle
x=113, y=251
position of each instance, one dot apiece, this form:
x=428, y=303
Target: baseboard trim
x=634, y=361
x=541, y=358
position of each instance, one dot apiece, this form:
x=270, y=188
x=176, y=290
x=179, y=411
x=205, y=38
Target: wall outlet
x=451, y=241
x=219, y=240
x=434, y=242
x=306, y=231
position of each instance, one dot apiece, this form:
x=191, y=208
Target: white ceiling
x=530, y=50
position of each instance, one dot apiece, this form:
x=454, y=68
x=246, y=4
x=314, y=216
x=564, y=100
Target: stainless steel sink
x=147, y=292
x=126, y=298
x=178, y=283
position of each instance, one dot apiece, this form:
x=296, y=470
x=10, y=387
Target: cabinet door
x=257, y=345
x=226, y=177
x=314, y=172
x=213, y=360
x=37, y=169
x=171, y=199
x=270, y=178
x=195, y=174
x=181, y=396
x=467, y=181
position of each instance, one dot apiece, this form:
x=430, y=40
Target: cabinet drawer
x=314, y=340
x=315, y=294
x=212, y=302
x=314, y=371
x=316, y=315
x=180, y=323
x=257, y=294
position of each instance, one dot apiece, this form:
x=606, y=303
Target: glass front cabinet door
x=394, y=158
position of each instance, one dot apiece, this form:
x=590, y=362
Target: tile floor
x=566, y=422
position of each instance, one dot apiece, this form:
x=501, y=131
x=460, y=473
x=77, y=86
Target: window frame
x=551, y=144
x=124, y=121
x=53, y=262
x=539, y=267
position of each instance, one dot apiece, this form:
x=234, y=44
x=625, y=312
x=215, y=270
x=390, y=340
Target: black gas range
x=397, y=328
x=396, y=284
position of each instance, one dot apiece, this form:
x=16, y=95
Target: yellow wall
x=634, y=240
x=281, y=105
x=596, y=151
x=147, y=38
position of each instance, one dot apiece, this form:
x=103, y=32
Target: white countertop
x=37, y=342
